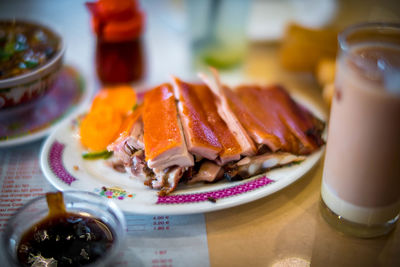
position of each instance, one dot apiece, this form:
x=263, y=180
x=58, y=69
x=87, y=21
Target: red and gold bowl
x=31, y=55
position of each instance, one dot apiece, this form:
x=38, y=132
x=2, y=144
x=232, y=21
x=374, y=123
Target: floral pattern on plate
x=114, y=192
x=56, y=165
x=213, y=196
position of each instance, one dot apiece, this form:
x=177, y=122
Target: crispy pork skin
x=253, y=125
x=301, y=122
x=163, y=137
x=204, y=126
x=224, y=110
x=283, y=117
x=269, y=116
x=231, y=149
x=265, y=127
x=200, y=137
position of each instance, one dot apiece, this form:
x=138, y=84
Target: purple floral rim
x=56, y=165
x=217, y=194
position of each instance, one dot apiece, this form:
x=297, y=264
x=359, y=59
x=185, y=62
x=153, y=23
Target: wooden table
x=286, y=229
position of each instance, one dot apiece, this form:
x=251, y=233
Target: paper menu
x=156, y=241
x=166, y=241
x=20, y=179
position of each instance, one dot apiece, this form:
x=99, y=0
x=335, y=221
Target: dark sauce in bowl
x=64, y=238
x=70, y=239
x=24, y=47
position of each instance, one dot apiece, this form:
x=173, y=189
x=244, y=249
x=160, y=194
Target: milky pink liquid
x=361, y=180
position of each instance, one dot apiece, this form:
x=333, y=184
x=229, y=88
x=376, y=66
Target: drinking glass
x=361, y=178
x=217, y=30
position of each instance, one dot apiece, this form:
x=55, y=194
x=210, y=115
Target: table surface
x=286, y=228
x=283, y=229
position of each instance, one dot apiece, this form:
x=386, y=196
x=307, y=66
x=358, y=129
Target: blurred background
x=259, y=40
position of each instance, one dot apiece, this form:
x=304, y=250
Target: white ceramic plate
x=31, y=122
x=64, y=168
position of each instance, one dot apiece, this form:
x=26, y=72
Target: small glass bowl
x=78, y=202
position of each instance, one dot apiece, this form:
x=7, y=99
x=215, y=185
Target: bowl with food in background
x=31, y=54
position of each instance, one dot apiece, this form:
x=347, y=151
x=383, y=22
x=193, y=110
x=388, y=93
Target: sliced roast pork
x=208, y=172
x=269, y=116
x=207, y=133
x=296, y=128
x=200, y=137
x=265, y=127
x=130, y=140
x=167, y=179
x=163, y=138
x=226, y=113
x=164, y=143
x=155, y=147
x=231, y=149
x=250, y=166
x=255, y=127
x=231, y=133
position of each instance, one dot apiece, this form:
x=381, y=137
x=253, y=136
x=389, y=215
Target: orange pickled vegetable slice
x=121, y=98
x=100, y=127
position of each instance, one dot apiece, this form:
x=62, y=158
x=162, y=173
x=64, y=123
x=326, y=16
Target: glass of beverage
x=361, y=178
x=217, y=30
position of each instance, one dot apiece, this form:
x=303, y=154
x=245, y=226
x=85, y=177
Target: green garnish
x=7, y=51
x=28, y=64
x=297, y=162
x=105, y=154
x=135, y=107
x=9, y=47
x=31, y=63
